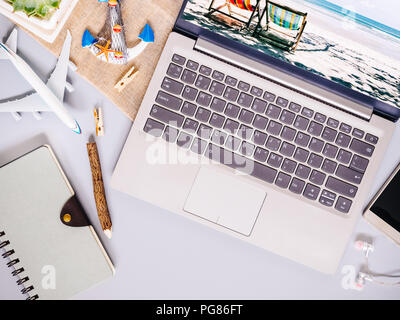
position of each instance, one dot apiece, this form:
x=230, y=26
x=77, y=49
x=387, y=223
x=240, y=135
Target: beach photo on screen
x=355, y=43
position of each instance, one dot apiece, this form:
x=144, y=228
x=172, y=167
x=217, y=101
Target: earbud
x=364, y=246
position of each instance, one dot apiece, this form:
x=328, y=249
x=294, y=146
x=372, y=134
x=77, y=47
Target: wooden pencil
x=98, y=189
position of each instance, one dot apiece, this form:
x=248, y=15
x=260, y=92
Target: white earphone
x=367, y=275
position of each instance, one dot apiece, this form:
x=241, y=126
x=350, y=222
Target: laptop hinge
x=286, y=80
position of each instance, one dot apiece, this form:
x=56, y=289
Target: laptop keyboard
x=243, y=126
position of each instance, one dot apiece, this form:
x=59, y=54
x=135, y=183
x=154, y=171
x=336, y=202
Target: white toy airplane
x=49, y=96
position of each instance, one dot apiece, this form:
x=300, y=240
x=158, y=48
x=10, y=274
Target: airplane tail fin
x=10, y=45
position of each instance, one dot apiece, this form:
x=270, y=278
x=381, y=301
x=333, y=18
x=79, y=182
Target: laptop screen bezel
x=379, y=107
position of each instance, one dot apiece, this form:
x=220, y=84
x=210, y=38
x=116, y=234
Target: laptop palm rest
x=225, y=200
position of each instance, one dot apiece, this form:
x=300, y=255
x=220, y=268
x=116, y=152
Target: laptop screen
x=354, y=43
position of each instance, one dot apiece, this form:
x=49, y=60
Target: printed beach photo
x=354, y=43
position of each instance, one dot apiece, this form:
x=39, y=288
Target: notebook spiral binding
x=22, y=279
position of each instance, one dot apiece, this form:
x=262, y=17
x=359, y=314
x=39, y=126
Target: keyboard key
x=282, y=180
x=202, y=82
x=349, y=174
x=333, y=123
x=326, y=201
x=315, y=160
x=307, y=112
x=204, y=131
x=273, y=111
x=192, y=65
x=166, y=116
x=317, y=177
x=204, y=99
x=218, y=105
x=188, y=109
x=231, y=94
x=203, y=114
x=270, y=97
x=174, y=70
x=301, y=123
x=282, y=102
x=218, y=75
x=153, y=127
x=287, y=117
x=217, y=88
x=359, y=163
x=315, y=128
x=358, y=133
x=341, y=187
x=311, y=192
x=243, y=86
x=288, y=133
x=190, y=125
x=316, y=145
x=327, y=198
x=287, y=149
x=170, y=134
x=362, y=148
x=232, y=143
x=274, y=128
x=247, y=148
x=188, y=76
x=260, y=122
x=371, y=138
x=260, y=154
x=245, y=100
x=184, y=140
x=289, y=165
x=275, y=160
x=168, y=101
x=344, y=156
x=319, y=117
x=218, y=137
x=329, y=134
x=301, y=155
x=330, y=151
x=246, y=116
x=231, y=126
x=256, y=91
x=259, y=137
x=198, y=146
x=205, y=70
x=245, y=132
x=329, y=166
x=303, y=171
x=172, y=86
x=230, y=81
x=343, y=205
x=273, y=143
x=259, y=105
x=217, y=120
x=294, y=107
x=190, y=93
x=302, y=139
x=297, y=186
x=345, y=128
x=343, y=140
x=232, y=111
x=178, y=59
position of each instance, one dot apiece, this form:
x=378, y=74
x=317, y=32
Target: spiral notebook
x=45, y=236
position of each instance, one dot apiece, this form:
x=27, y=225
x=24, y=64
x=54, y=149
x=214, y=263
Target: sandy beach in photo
x=335, y=47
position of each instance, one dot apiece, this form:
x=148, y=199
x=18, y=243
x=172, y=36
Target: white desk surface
x=157, y=254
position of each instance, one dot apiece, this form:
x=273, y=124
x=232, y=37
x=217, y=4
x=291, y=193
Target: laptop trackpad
x=225, y=200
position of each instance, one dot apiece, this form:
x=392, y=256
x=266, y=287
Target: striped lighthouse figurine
x=110, y=44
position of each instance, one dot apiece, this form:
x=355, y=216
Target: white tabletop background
x=157, y=254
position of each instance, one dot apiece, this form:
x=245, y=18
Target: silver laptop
x=268, y=121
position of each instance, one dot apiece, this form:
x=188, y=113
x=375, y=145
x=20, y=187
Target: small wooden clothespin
x=98, y=116
x=126, y=79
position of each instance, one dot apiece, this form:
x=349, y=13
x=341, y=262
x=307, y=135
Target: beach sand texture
x=336, y=48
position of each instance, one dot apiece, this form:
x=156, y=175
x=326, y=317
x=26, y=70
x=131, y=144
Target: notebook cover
x=60, y=260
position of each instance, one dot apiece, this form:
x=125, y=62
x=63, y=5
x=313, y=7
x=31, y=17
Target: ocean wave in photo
x=321, y=52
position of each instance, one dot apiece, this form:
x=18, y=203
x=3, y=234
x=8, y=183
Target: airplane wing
x=58, y=78
x=30, y=103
